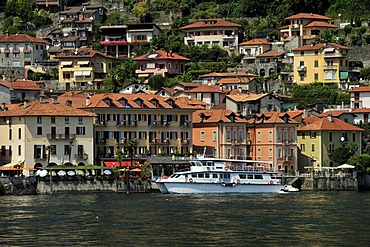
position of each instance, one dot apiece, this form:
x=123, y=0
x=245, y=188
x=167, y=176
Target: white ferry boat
x=211, y=175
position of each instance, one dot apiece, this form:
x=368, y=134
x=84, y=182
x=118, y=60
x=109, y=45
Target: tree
x=157, y=82
x=341, y=155
x=123, y=74
x=51, y=150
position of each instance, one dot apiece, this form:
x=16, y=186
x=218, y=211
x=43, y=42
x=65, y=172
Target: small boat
x=212, y=175
x=289, y=189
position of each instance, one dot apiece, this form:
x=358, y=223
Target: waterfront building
x=19, y=90
x=212, y=32
x=45, y=132
x=321, y=62
x=219, y=133
x=319, y=137
x=272, y=136
x=155, y=125
x=360, y=97
x=242, y=76
x=83, y=68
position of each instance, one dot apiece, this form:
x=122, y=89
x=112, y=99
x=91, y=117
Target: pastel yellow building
x=326, y=63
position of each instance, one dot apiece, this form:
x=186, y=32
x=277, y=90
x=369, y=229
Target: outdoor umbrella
x=80, y=172
x=135, y=170
x=62, y=173
x=43, y=173
x=107, y=172
x=344, y=166
x=71, y=173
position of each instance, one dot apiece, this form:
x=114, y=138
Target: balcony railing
x=61, y=136
x=40, y=156
x=81, y=156
x=301, y=68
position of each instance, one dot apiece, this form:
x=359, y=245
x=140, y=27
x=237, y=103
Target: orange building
x=273, y=137
x=219, y=133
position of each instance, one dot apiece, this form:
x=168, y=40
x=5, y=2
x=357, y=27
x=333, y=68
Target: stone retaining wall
x=18, y=185
x=324, y=183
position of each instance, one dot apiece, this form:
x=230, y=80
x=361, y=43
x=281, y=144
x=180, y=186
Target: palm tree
x=51, y=150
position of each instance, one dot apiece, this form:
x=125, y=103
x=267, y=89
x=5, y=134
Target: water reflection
x=309, y=219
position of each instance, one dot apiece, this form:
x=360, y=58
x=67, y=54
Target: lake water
x=154, y=219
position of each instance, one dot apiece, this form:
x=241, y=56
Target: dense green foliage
x=327, y=94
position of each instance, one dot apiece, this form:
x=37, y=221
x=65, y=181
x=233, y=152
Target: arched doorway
x=68, y=164
x=271, y=71
x=81, y=164
x=262, y=72
x=37, y=166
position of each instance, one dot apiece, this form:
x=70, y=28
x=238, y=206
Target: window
x=301, y=63
x=259, y=136
x=202, y=136
x=316, y=77
x=316, y=63
x=39, y=119
x=279, y=153
x=270, y=136
x=66, y=120
x=39, y=130
x=259, y=152
x=353, y=137
x=270, y=152
x=19, y=133
x=10, y=134
x=80, y=130
x=303, y=135
x=301, y=77
x=214, y=136
x=228, y=135
x=330, y=136
x=303, y=147
x=313, y=147
x=279, y=136
x=80, y=120
x=66, y=149
x=313, y=134
x=52, y=120
x=19, y=150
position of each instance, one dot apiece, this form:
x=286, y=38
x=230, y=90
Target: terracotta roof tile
x=360, y=89
x=294, y=114
x=160, y=55
x=210, y=23
x=320, y=46
x=271, y=53
x=334, y=113
x=245, y=97
x=21, y=38
x=243, y=80
x=83, y=52
x=361, y=110
x=307, y=16
x=22, y=85
x=321, y=24
x=315, y=123
x=206, y=89
x=255, y=42
x=216, y=116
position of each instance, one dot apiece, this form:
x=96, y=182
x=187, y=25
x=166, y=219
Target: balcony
x=186, y=141
x=166, y=141
x=330, y=67
x=228, y=37
x=333, y=55
x=302, y=68
x=40, y=156
x=121, y=123
x=61, y=136
x=81, y=156
x=186, y=123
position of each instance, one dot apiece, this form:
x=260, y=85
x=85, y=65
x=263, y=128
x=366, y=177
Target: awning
x=143, y=75
x=63, y=63
x=116, y=163
x=13, y=164
x=78, y=73
x=86, y=72
x=329, y=49
x=83, y=62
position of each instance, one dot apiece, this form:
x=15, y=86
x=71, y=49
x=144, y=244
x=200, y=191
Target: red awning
x=116, y=163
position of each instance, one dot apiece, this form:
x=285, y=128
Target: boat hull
x=192, y=188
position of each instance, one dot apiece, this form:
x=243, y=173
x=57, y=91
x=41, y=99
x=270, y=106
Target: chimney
x=25, y=103
x=330, y=117
x=42, y=99
x=55, y=99
x=88, y=100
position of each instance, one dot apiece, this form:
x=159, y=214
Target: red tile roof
x=216, y=116
x=256, y=42
x=294, y=114
x=307, y=16
x=22, y=85
x=271, y=53
x=243, y=80
x=83, y=52
x=36, y=108
x=361, y=110
x=320, y=46
x=21, y=38
x=206, y=89
x=334, y=113
x=274, y=117
x=210, y=23
x=360, y=89
x=321, y=24
x=161, y=55
x=229, y=74
x=314, y=123
x=244, y=97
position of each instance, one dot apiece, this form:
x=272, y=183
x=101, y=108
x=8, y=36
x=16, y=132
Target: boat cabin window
x=194, y=175
x=210, y=163
x=214, y=175
x=200, y=175
x=258, y=176
x=178, y=175
x=206, y=175
x=226, y=175
x=242, y=176
x=250, y=176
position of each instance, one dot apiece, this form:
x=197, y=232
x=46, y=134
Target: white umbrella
x=62, y=173
x=43, y=173
x=107, y=172
x=80, y=172
x=93, y=172
x=71, y=173
x=345, y=166
x=37, y=173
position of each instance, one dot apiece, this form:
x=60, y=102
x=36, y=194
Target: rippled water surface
x=108, y=219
